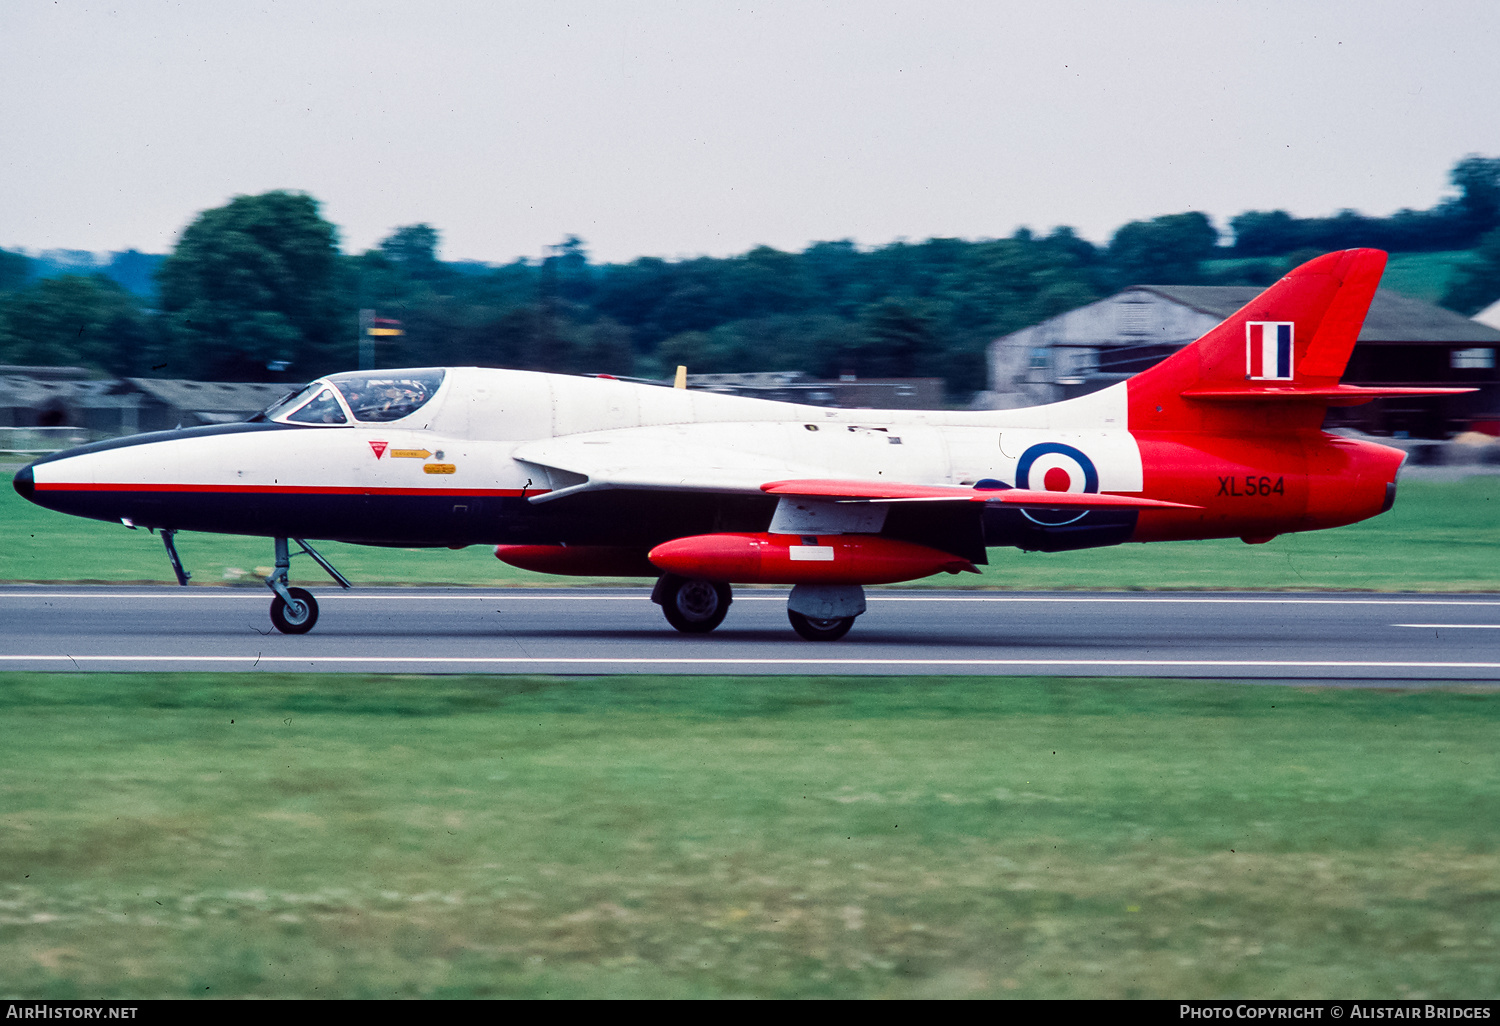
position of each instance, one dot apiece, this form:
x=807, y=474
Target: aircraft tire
x=287, y=622
x=695, y=606
x=820, y=630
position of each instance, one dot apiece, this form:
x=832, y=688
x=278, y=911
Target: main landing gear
x=691, y=605
x=294, y=610
x=824, y=612
x=818, y=612
x=830, y=629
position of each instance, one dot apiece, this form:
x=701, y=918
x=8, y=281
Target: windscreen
x=378, y=396
x=324, y=409
x=292, y=401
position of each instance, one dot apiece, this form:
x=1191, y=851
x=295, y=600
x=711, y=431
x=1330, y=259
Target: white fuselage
x=507, y=437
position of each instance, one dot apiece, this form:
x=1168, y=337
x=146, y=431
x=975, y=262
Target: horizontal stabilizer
x=882, y=491
x=1333, y=395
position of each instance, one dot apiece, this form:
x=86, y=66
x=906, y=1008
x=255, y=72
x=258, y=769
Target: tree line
x=258, y=289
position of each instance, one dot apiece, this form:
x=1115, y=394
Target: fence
x=36, y=441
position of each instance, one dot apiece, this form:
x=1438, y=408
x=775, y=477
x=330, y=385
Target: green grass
x=1440, y=537
x=380, y=836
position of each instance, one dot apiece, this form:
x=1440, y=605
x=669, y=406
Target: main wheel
x=297, y=618
x=694, y=606
x=820, y=630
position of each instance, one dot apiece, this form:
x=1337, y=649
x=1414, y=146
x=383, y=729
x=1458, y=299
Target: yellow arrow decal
x=410, y=454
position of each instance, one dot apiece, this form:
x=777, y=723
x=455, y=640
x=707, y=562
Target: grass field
x=1439, y=537
x=348, y=836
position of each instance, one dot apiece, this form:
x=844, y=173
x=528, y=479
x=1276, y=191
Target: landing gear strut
x=294, y=610
x=169, y=539
x=692, y=606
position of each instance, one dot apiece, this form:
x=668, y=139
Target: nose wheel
x=294, y=610
x=297, y=616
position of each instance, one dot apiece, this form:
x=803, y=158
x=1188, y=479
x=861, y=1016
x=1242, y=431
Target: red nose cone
x=796, y=559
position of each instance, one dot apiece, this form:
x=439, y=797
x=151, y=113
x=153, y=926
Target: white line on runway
x=198, y=594
x=261, y=596
x=711, y=661
x=1454, y=626
x=1206, y=600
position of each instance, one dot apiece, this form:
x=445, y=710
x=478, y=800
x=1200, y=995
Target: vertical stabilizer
x=1294, y=337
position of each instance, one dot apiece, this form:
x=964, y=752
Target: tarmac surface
x=1338, y=638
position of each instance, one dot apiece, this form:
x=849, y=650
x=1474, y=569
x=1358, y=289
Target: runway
x=1268, y=636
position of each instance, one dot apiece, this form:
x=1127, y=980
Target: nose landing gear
x=296, y=613
x=294, y=610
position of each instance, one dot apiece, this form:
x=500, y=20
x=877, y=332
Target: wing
x=891, y=491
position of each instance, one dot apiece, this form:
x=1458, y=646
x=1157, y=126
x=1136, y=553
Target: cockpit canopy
x=367, y=397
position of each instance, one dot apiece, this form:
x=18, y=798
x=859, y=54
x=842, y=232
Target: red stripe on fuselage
x=59, y=486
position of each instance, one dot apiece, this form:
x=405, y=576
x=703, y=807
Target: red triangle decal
x=379, y=448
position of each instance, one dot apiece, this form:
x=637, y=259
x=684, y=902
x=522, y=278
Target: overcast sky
x=677, y=129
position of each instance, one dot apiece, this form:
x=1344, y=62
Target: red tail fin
x=1295, y=337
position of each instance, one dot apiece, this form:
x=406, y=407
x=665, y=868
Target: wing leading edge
x=882, y=491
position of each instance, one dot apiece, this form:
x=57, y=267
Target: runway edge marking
x=721, y=661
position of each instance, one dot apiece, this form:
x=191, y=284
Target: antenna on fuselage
x=680, y=381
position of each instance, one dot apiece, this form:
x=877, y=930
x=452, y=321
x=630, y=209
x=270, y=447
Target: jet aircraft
x=591, y=475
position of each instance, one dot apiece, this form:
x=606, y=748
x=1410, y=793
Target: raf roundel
x=1054, y=467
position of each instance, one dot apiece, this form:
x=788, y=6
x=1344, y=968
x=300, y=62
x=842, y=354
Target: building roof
x=752, y=379
x=238, y=397
x=44, y=373
x=1392, y=318
x=1490, y=315
x=24, y=390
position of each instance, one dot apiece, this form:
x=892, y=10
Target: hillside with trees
x=258, y=289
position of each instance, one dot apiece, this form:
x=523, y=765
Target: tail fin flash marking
x=1268, y=350
x=1297, y=334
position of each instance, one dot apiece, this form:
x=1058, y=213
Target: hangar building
x=1404, y=342
x=47, y=408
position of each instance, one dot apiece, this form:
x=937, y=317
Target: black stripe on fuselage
x=639, y=519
